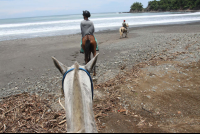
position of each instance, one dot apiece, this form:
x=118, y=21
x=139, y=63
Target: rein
x=79, y=69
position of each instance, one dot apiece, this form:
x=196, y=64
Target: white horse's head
x=78, y=91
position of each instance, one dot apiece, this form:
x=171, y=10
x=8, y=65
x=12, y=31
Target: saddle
x=125, y=30
x=88, y=37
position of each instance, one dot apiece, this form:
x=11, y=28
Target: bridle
x=79, y=69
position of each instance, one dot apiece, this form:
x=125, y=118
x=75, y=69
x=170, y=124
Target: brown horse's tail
x=121, y=30
x=87, y=48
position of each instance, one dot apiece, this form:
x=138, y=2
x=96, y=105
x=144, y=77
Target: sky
x=33, y=8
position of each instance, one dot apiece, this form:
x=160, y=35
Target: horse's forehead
x=81, y=66
x=73, y=66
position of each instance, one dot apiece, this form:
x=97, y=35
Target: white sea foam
x=36, y=30
x=96, y=19
x=77, y=27
x=35, y=27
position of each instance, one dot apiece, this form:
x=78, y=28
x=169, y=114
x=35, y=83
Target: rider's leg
x=81, y=51
x=97, y=48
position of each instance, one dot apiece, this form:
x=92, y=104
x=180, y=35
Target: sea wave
x=97, y=26
x=96, y=19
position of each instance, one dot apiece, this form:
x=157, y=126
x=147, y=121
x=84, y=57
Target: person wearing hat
x=87, y=28
x=124, y=24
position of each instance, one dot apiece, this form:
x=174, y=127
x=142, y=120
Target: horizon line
x=56, y=15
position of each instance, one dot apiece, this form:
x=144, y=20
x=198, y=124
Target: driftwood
x=61, y=122
x=28, y=113
x=12, y=109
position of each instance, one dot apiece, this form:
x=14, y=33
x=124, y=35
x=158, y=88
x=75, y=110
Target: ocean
x=19, y=28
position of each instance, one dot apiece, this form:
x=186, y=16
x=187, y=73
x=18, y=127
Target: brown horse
x=89, y=46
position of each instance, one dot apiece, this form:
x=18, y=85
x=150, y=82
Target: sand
x=148, y=82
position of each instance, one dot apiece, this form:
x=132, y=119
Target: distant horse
x=78, y=91
x=89, y=46
x=122, y=31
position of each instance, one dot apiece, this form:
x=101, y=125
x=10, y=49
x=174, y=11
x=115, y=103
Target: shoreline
x=112, y=30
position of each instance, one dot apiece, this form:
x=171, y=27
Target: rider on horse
x=87, y=28
x=124, y=25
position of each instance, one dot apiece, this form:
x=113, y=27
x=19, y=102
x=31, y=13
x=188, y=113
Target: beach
x=27, y=66
x=30, y=59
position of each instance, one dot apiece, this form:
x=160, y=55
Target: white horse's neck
x=78, y=102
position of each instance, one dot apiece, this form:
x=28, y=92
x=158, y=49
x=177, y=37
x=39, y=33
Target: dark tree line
x=137, y=6
x=166, y=5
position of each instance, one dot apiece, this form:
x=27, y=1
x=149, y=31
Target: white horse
x=78, y=91
x=122, y=31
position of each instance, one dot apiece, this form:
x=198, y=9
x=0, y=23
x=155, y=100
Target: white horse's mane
x=78, y=119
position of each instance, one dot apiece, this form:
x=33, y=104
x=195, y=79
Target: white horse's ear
x=62, y=68
x=91, y=63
